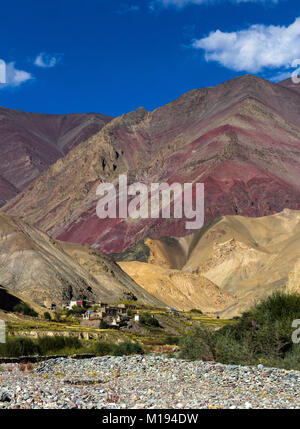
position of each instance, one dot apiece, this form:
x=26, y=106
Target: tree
x=24, y=309
x=148, y=319
x=103, y=324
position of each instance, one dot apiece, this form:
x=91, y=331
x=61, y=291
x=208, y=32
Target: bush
x=103, y=324
x=128, y=348
x=54, y=344
x=103, y=348
x=22, y=346
x=266, y=330
x=24, y=308
x=16, y=347
x=261, y=335
x=172, y=340
x=200, y=344
x=76, y=311
x=57, y=317
x=148, y=319
x=47, y=316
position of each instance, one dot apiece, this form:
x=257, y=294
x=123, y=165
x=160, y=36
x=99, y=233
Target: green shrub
x=261, y=335
x=19, y=346
x=76, y=311
x=148, y=319
x=54, y=344
x=24, y=308
x=200, y=344
x=172, y=340
x=57, y=317
x=128, y=348
x=47, y=316
x=266, y=330
x=22, y=346
x=103, y=324
x=72, y=343
x=103, y=348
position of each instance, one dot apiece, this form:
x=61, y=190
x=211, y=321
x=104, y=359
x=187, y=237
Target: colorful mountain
x=241, y=139
x=31, y=142
x=40, y=269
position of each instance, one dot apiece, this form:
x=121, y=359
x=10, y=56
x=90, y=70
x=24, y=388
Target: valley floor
x=149, y=381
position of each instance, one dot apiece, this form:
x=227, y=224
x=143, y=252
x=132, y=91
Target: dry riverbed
x=146, y=382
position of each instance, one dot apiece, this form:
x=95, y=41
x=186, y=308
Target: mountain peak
x=240, y=139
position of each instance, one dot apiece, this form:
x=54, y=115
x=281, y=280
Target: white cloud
x=182, y=3
x=253, y=49
x=13, y=76
x=47, y=61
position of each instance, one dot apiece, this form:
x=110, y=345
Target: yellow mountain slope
x=248, y=258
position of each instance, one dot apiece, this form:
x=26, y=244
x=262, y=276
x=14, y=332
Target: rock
x=4, y=397
x=198, y=385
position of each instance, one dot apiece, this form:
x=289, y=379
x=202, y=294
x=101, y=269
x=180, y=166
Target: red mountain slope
x=31, y=142
x=288, y=83
x=241, y=138
x=7, y=191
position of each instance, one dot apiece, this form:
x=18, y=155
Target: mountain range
x=31, y=142
x=44, y=270
x=223, y=269
x=240, y=138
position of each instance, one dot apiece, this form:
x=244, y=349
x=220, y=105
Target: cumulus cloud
x=12, y=76
x=46, y=61
x=254, y=49
x=182, y=3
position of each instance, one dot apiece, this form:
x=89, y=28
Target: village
x=110, y=316
x=103, y=315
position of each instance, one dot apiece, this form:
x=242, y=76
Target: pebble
x=150, y=381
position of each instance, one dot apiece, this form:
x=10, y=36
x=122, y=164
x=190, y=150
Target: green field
x=171, y=326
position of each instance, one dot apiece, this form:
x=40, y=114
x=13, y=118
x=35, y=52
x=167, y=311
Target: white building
x=72, y=304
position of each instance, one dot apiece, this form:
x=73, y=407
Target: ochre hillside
x=246, y=258
x=40, y=269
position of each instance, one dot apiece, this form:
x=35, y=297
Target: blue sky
x=114, y=56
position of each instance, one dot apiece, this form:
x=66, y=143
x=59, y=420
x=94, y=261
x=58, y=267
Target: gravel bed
x=151, y=381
